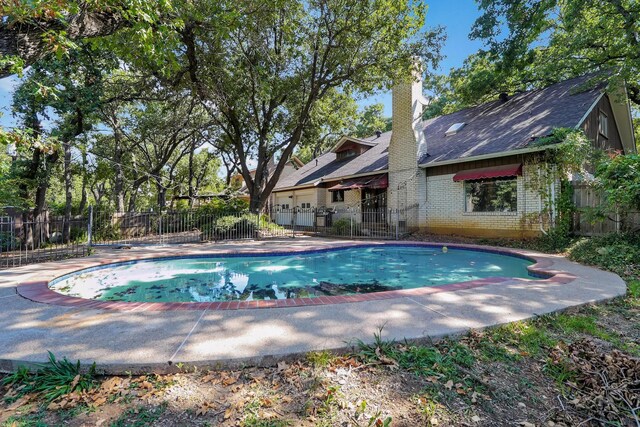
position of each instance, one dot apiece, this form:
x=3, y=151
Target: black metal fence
x=162, y=228
x=27, y=241
x=51, y=238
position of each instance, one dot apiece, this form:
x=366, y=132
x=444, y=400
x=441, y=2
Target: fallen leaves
x=607, y=384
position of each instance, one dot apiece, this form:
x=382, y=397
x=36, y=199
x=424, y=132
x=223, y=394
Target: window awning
x=375, y=181
x=492, y=172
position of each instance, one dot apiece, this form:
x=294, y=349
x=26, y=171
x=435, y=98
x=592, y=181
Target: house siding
x=590, y=127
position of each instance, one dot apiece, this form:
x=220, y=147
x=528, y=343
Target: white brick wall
x=446, y=214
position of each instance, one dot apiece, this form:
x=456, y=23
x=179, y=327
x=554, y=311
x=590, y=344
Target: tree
x=371, y=120
x=557, y=39
x=32, y=30
x=334, y=116
x=261, y=81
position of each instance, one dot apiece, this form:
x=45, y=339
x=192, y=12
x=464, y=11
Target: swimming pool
x=250, y=277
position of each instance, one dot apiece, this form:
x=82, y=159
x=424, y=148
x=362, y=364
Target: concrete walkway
x=140, y=341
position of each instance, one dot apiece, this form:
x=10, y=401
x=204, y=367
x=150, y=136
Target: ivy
x=568, y=154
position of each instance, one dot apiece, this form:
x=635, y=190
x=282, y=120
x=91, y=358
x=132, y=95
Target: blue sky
x=456, y=16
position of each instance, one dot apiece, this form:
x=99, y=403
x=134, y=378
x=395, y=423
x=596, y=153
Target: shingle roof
x=328, y=168
x=499, y=127
x=492, y=128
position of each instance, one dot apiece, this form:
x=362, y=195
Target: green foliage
x=106, y=231
x=527, y=337
x=236, y=226
x=140, y=416
x=443, y=360
x=371, y=120
x=341, y=227
x=615, y=252
x=52, y=379
x=218, y=207
x=36, y=419
x=568, y=153
x=618, y=180
x=320, y=359
x=555, y=40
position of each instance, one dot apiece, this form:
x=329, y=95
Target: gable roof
x=493, y=128
x=499, y=127
x=327, y=168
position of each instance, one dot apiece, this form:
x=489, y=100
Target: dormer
x=349, y=147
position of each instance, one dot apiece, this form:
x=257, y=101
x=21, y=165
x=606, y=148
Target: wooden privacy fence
x=584, y=197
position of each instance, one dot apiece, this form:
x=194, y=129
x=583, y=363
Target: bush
x=341, y=227
x=619, y=253
x=619, y=180
x=105, y=231
x=232, y=226
x=217, y=207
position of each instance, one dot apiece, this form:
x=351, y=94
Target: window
x=285, y=206
x=346, y=154
x=337, y=196
x=305, y=205
x=603, y=124
x=454, y=128
x=491, y=195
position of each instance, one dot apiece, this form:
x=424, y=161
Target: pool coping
x=40, y=292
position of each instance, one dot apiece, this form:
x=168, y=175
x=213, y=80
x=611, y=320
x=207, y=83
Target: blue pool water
x=333, y=272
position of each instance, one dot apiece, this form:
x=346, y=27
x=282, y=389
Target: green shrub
x=52, y=379
x=232, y=226
x=619, y=253
x=341, y=227
x=104, y=231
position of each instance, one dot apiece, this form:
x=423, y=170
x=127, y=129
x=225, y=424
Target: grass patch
x=320, y=359
x=36, y=419
x=527, y=337
x=52, y=379
x=444, y=362
x=140, y=416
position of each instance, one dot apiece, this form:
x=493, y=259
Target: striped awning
x=492, y=172
x=374, y=181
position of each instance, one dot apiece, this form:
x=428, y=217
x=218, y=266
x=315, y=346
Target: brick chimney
x=408, y=142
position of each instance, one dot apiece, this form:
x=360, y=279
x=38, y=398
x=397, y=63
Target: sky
x=457, y=16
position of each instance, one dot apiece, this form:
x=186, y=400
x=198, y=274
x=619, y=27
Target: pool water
x=312, y=274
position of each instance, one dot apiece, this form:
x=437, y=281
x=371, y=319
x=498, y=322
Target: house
x=463, y=173
x=237, y=181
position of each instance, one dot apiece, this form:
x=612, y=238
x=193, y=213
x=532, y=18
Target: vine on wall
x=569, y=154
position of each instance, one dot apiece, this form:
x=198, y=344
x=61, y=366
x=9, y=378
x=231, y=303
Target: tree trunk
x=29, y=41
x=162, y=196
x=118, y=189
x=191, y=173
x=83, y=199
x=66, y=227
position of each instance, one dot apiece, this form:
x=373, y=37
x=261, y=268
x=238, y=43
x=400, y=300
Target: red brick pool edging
x=39, y=291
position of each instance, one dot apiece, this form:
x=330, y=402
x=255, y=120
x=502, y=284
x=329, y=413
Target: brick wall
x=445, y=213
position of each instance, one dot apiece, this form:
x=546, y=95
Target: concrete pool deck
x=143, y=337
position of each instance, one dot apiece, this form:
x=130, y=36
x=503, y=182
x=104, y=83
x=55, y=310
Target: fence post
x=294, y=218
x=397, y=225
x=259, y=228
x=350, y=223
x=90, y=228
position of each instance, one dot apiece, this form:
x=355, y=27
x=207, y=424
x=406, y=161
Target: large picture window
x=491, y=195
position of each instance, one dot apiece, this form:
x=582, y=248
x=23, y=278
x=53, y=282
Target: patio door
x=374, y=205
